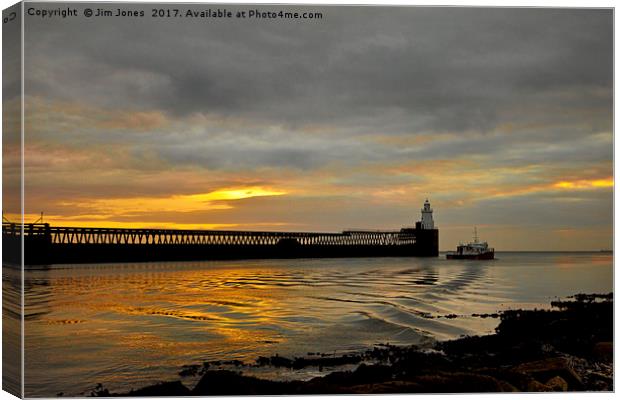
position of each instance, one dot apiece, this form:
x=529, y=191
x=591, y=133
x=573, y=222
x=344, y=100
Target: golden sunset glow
x=232, y=194
x=102, y=221
x=216, y=200
x=585, y=184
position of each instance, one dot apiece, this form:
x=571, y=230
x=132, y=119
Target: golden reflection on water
x=223, y=305
x=128, y=325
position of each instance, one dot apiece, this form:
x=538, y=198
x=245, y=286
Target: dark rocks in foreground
x=569, y=348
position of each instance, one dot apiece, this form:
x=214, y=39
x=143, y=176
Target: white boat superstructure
x=475, y=250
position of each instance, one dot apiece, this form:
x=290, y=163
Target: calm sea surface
x=130, y=325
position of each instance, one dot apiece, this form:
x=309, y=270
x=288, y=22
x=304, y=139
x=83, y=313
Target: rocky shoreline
x=567, y=348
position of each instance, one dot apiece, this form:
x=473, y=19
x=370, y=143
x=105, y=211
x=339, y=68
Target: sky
x=502, y=118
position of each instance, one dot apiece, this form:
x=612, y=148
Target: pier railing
x=128, y=236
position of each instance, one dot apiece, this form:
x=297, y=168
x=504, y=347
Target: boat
x=472, y=251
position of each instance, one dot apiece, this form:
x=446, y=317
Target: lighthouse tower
x=427, y=216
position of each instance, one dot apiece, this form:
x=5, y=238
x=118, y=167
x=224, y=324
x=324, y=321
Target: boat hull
x=490, y=255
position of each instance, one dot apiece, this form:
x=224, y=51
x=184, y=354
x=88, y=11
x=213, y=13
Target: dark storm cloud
x=445, y=69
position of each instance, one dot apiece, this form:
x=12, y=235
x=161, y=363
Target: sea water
x=130, y=325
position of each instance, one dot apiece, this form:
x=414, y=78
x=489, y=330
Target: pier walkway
x=46, y=244
x=124, y=236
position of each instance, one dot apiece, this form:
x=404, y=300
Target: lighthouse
x=427, y=216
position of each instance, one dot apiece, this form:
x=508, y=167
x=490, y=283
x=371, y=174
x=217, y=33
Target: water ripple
x=128, y=325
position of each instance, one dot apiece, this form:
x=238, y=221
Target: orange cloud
x=135, y=121
x=43, y=114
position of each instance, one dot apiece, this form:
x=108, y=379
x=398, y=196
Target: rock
x=443, y=382
x=460, y=383
x=517, y=380
x=507, y=387
x=551, y=367
x=175, y=389
x=372, y=373
x=535, y=386
x=603, y=351
x=214, y=383
x=600, y=382
x=386, y=387
x=557, y=384
x=600, y=377
x=601, y=386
